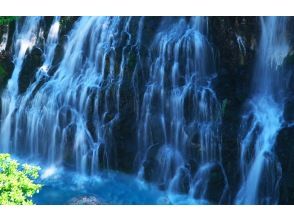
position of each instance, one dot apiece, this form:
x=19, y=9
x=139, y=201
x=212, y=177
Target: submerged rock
x=86, y=200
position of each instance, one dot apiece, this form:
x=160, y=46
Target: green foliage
x=224, y=105
x=2, y=71
x=65, y=20
x=16, y=182
x=7, y=19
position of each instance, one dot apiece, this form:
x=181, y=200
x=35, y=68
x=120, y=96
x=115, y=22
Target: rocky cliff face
x=234, y=41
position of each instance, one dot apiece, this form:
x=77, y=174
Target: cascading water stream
x=24, y=39
x=180, y=118
x=263, y=119
x=40, y=76
x=52, y=40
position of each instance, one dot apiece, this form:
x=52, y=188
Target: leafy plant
x=7, y=19
x=2, y=71
x=17, y=182
x=224, y=106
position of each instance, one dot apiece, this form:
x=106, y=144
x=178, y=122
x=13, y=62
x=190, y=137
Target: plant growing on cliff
x=2, y=71
x=17, y=182
x=224, y=106
x=7, y=19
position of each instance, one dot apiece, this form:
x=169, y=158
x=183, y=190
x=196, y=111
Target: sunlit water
x=61, y=187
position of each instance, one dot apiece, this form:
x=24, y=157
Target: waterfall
x=179, y=123
x=143, y=95
x=51, y=44
x=86, y=102
x=263, y=118
x=67, y=113
x=24, y=39
x=24, y=113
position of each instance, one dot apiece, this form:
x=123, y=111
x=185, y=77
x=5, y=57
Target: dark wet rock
x=131, y=64
x=183, y=181
x=152, y=151
x=232, y=84
x=210, y=182
x=154, y=167
x=64, y=116
x=11, y=30
x=149, y=169
x=67, y=23
x=102, y=156
x=155, y=129
x=289, y=59
x=121, y=131
x=270, y=179
x=6, y=68
x=216, y=184
x=188, y=106
x=97, y=158
x=36, y=56
x=194, y=149
x=58, y=55
x=192, y=165
x=150, y=26
x=122, y=135
x=108, y=117
x=289, y=110
x=68, y=137
x=32, y=62
x=162, y=186
x=150, y=164
x=285, y=153
x=86, y=200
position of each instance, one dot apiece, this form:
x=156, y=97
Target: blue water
x=61, y=186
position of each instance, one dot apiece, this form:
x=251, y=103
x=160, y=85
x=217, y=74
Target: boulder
x=86, y=200
x=181, y=183
x=210, y=183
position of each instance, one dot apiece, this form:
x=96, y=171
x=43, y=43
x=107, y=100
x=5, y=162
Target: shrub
x=17, y=182
x=7, y=19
